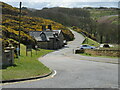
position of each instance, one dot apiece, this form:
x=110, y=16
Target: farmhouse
x=48, y=38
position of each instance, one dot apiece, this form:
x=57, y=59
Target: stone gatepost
x=8, y=56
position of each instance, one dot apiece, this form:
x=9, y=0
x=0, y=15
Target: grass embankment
x=90, y=42
x=26, y=66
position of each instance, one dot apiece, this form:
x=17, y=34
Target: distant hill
x=66, y=16
x=97, y=13
x=10, y=25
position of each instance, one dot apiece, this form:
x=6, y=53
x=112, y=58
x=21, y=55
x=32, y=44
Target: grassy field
x=99, y=13
x=90, y=42
x=26, y=66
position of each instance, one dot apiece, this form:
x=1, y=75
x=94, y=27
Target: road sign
x=17, y=49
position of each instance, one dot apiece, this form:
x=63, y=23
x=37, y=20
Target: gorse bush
x=84, y=32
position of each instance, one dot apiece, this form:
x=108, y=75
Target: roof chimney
x=50, y=27
x=43, y=27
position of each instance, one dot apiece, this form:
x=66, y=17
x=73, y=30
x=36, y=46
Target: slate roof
x=48, y=34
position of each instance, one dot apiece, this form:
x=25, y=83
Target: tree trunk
x=101, y=39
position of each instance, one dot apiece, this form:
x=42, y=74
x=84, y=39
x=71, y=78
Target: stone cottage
x=48, y=38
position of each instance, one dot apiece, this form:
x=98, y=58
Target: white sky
x=60, y=0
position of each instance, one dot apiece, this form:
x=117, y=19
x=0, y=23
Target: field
x=96, y=14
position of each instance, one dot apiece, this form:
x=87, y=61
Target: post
x=26, y=51
x=36, y=51
x=31, y=52
x=19, y=26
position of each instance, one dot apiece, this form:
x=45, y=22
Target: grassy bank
x=90, y=42
x=26, y=66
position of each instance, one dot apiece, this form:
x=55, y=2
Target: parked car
x=87, y=47
x=106, y=45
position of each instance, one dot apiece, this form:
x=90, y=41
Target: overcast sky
x=39, y=4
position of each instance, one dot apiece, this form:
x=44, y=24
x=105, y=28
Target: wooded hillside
x=66, y=16
x=85, y=20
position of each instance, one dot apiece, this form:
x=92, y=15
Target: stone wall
x=42, y=45
x=8, y=56
x=114, y=53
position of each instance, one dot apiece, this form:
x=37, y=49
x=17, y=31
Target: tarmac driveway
x=74, y=72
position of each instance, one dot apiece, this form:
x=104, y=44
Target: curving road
x=74, y=71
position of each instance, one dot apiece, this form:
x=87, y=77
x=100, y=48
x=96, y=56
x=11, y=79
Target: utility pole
x=19, y=25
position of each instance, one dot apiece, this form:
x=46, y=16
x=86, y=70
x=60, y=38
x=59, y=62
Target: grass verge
x=26, y=66
x=90, y=42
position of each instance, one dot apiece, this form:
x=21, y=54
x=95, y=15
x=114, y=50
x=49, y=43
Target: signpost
x=19, y=26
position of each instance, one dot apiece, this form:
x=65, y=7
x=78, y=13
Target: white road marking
x=54, y=73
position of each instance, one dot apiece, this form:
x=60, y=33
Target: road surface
x=74, y=72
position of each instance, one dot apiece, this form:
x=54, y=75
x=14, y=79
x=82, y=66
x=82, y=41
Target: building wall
x=42, y=45
x=53, y=43
x=50, y=44
x=61, y=37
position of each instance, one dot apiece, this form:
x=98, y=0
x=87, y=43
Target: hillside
x=92, y=22
x=66, y=16
x=107, y=23
x=108, y=29
x=10, y=25
x=97, y=13
x=71, y=17
x=111, y=19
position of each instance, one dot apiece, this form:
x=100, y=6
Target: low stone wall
x=98, y=52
